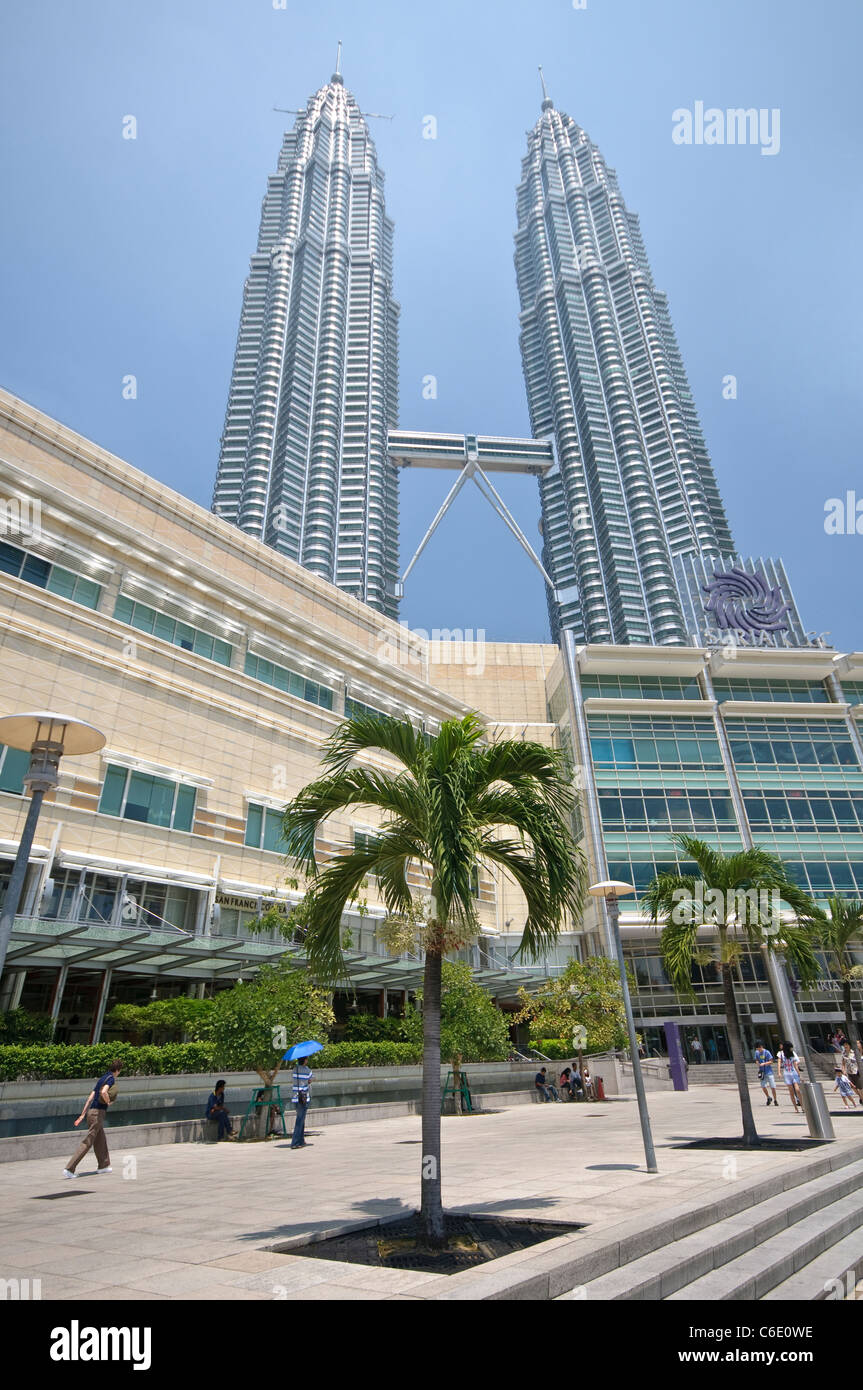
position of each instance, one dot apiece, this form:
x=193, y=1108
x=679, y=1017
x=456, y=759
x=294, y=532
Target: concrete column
x=835, y=687
x=10, y=992
x=59, y=987
x=99, y=1019
x=117, y=914
x=727, y=760
x=586, y=782
x=382, y=1004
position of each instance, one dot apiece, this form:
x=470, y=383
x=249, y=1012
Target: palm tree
x=737, y=894
x=836, y=929
x=447, y=809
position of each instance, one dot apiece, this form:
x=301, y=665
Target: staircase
x=804, y=1243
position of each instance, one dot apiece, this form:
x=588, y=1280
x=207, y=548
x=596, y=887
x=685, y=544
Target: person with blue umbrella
x=301, y=1093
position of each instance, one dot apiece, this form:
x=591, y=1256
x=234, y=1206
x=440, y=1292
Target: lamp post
x=611, y=890
x=46, y=737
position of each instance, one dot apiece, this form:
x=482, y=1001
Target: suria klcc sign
x=746, y=610
x=743, y=602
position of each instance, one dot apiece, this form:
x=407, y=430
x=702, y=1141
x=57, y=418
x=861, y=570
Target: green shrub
x=20, y=1026
x=369, y=1028
x=368, y=1054
x=59, y=1062
x=162, y=1020
x=21, y=1062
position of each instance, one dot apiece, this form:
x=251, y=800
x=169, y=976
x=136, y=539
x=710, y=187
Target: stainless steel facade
x=303, y=463
x=634, y=486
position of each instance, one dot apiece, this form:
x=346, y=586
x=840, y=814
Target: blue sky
x=120, y=256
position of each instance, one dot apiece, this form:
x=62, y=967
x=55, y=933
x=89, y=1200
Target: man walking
x=103, y=1094
x=764, y=1058
x=301, y=1096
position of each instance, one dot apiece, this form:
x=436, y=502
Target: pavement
x=193, y=1221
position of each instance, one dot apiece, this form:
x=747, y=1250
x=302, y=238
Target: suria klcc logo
x=738, y=600
x=737, y=125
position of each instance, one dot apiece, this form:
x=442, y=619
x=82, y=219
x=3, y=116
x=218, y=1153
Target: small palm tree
x=449, y=808
x=736, y=894
x=836, y=928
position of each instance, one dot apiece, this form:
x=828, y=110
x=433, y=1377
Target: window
x=21, y=564
x=365, y=841
x=152, y=800
x=652, y=742
x=291, y=682
x=641, y=687
x=790, y=743
x=14, y=762
x=264, y=829
x=356, y=707
x=180, y=634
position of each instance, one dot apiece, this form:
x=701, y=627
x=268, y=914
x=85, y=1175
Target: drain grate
x=471, y=1240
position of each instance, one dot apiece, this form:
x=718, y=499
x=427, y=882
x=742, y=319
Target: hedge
x=369, y=1054
x=368, y=1028
x=59, y=1062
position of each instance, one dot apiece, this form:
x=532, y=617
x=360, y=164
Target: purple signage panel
x=676, y=1062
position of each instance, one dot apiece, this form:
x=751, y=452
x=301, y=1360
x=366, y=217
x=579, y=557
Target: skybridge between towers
x=473, y=456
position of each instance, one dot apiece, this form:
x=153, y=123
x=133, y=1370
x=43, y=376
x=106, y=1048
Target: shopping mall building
x=217, y=668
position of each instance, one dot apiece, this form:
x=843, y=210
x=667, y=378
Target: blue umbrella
x=301, y=1050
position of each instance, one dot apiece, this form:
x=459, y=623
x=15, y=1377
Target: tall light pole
x=46, y=737
x=611, y=890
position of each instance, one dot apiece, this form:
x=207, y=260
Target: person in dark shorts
x=103, y=1094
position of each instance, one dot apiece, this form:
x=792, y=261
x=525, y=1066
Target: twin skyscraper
x=634, y=531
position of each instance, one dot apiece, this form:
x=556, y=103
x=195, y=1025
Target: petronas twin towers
x=314, y=390
x=305, y=463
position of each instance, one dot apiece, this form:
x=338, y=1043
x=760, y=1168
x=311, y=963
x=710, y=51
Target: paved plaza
x=194, y=1220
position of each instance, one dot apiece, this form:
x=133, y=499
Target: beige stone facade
x=77, y=513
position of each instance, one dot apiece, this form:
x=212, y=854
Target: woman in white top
x=789, y=1064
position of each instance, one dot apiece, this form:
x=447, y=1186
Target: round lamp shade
x=23, y=730
x=610, y=887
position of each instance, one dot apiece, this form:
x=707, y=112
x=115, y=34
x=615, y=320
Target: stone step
x=753, y=1275
x=713, y=1243
x=832, y=1275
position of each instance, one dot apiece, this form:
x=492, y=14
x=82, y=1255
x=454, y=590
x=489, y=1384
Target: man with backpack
x=103, y=1094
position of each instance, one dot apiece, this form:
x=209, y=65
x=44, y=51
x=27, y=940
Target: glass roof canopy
x=42, y=942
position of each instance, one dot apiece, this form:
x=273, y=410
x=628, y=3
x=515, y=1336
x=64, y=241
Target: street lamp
x=611, y=890
x=46, y=737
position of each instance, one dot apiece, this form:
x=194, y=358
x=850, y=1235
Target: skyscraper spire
x=633, y=489
x=547, y=102
x=303, y=461
x=337, y=75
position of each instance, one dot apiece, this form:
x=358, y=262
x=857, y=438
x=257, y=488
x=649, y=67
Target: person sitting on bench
x=546, y=1090
x=218, y=1111
x=576, y=1088
x=566, y=1083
